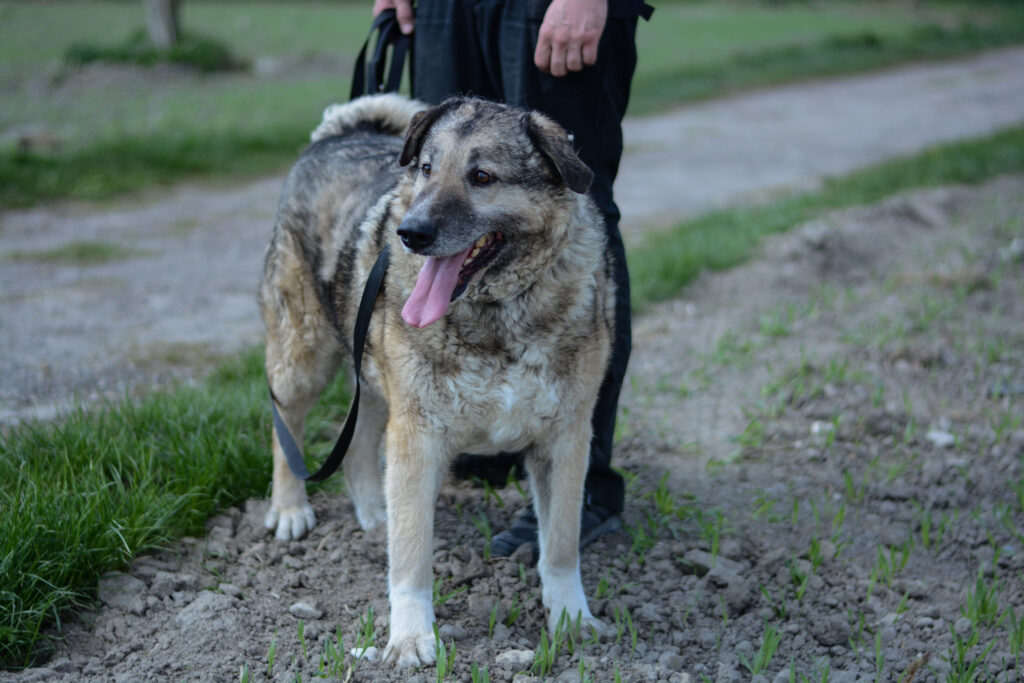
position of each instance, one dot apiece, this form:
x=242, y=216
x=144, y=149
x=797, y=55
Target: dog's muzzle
x=417, y=233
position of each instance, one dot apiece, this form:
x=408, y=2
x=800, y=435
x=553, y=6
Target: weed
x=769, y=644
x=513, y=611
x=544, y=655
x=477, y=675
x=445, y=657
x=492, y=620
x=440, y=599
x=963, y=667
x=271, y=654
x=982, y=606
x=483, y=525
x=367, y=633
x=302, y=638
x=1016, y=636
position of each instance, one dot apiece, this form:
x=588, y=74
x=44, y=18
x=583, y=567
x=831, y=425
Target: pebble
x=230, y=589
x=123, y=592
x=670, y=661
x=963, y=627
x=452, y=632
x=940, y=438
x=304, y=609
x=514, y=659
x=833, y=630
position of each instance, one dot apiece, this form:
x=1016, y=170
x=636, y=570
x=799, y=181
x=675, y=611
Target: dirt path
x=839, y=425
x=187, y=295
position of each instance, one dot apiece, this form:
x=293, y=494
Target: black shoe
x=596, y=521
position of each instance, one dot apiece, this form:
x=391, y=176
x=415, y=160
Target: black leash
x=291, y=449
x=365, y=81
x=369, y=82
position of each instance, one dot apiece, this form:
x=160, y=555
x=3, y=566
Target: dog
x=491, y=334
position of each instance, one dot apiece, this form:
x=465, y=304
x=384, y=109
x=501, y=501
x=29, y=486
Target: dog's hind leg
x=362, y=463
x=302, y=356
x=557, y=471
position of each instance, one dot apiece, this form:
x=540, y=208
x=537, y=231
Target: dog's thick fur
x=514, y=363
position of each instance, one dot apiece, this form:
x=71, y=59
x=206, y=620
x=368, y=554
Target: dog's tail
x=389, y=113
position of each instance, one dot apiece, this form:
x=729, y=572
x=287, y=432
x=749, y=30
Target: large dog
x=492, y=331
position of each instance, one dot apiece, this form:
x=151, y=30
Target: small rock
x=231, y=589
x=514, y=659
x=305, y=610
x=123, y=592
x=701, y=562
x=963, y=627
x=452, y=632
x=940, y=438
x=833, y=630
x=670, y=661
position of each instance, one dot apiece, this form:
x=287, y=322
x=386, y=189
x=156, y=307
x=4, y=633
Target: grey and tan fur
x=512, y=363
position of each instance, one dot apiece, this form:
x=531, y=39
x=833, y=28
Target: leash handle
x=367, y=81
x=292, y=452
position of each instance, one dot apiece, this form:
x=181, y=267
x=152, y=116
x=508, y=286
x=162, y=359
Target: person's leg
x=447, y=52
x=590, y=104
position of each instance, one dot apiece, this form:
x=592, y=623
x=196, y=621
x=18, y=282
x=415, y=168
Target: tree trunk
x=162, y=22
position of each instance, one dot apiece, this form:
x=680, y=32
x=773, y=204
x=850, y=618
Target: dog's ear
x=553, y=142
x=419, y=126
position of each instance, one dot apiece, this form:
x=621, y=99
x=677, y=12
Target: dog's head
x=491, y=186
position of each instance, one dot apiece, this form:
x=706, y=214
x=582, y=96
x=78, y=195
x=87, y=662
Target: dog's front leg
x=415, y=467
x=557, y=474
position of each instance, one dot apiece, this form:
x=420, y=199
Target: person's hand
x=569, y=35
x=402, y=7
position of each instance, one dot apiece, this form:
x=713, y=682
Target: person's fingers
x=403, y=9
x=542, y=55
x=589, y=51
x=574, y=58
x=381, y=5
x=558, y=66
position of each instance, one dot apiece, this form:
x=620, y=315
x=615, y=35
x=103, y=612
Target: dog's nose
x=417, y=233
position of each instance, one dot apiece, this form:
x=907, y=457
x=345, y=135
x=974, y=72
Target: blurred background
x=94, y=106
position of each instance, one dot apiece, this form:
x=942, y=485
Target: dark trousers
x=485, y=48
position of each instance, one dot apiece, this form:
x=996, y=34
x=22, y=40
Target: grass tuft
x=193, y=50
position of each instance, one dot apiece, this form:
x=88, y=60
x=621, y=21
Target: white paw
x=372, y=517
x=290, y=524
x=370, y=654
x=415, y=650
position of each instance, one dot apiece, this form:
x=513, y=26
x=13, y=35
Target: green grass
x=83, y=495
x=836, y=54
x=668, y=261
x=118, y=135
x=79, y=253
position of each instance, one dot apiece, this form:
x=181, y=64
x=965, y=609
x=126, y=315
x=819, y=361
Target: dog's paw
x=414, y=650
x=290, y=524
x=373, y=519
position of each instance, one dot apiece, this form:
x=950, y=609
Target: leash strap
x=291, y=449
x=367, y=81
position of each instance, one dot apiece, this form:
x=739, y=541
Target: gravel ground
x=824, y=445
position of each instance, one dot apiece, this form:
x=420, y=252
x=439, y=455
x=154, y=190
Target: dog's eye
x=426, y=169
x=483, y=178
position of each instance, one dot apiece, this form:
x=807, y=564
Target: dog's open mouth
x=482, y=253
x=443, y=279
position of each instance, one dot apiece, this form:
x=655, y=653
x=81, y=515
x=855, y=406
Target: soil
x=825, y=443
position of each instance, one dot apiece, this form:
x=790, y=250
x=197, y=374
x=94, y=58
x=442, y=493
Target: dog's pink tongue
x=433, y=291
